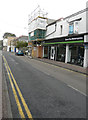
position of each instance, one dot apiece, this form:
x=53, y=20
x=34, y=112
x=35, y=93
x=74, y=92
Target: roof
x=79, y=12
x=21, y=36
x=74, y=14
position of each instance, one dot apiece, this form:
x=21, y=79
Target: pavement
x=5, y=106
x=0, y=84
x=65, y=65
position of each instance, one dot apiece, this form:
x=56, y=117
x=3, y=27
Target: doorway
x=52, y=53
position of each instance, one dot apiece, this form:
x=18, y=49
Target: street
x=43, y=90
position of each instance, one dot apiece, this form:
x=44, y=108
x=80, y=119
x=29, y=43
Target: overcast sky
x=14, y=13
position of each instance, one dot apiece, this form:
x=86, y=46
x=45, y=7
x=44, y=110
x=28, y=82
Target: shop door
x=52, y=53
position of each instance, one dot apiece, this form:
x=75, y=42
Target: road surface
x=45, y=90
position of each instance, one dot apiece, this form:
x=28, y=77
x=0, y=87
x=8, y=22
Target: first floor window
x=71, y=28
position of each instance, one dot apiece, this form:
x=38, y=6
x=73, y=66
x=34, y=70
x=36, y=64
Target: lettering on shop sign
x=76, y=38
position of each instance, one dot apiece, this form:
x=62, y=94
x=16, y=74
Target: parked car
x=20, y=52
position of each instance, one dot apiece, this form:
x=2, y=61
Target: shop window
x=77, y=55
x=61, y=50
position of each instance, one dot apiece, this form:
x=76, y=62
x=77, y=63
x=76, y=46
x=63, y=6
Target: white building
x=66, y=39
x=5, y=44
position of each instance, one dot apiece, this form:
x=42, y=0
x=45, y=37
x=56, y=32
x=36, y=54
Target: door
x=52, y=53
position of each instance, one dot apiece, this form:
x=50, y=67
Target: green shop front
x=68, y=49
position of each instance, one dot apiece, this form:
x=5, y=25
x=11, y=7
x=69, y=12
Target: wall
x=40, y=51
x=34, y=52
x=5, y=42
x=87, y=21
x=82, y=23
x=65, y=23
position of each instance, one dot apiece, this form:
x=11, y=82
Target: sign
x=64, y=40
x=74, y=38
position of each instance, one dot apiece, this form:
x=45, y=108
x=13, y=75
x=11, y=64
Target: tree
x=21, y=44
x=6, y=35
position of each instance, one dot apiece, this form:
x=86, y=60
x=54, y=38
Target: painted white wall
x=8, y=48
x=68, y=54
x=5, y=42
x=65, y=24
x=85, y=57
x=82, y=23
x=49, y=30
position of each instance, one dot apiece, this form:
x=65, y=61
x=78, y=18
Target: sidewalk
x=64, y=65
x=0, y=84
x=6, y=106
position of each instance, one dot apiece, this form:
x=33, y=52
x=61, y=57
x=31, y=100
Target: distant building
x=5, y=40
x=22, y=38
x=10, y=39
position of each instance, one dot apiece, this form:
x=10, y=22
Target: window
x=76, y=27
x=61, y=27
x=71, y=28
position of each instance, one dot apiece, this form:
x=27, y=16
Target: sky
x=14, y=13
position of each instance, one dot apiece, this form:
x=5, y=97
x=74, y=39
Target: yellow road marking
x=15, y=95
x=20, y=94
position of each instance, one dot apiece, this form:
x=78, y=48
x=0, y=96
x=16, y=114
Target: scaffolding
x=36, y=13
x=37, y=20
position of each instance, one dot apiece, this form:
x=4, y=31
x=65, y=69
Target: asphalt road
x=49, y=91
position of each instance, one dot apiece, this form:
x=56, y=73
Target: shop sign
x=74, y=38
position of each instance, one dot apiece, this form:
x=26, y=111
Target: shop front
x=69, y=49
x=75, y=50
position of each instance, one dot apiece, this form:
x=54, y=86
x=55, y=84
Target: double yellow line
x=19, y=92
